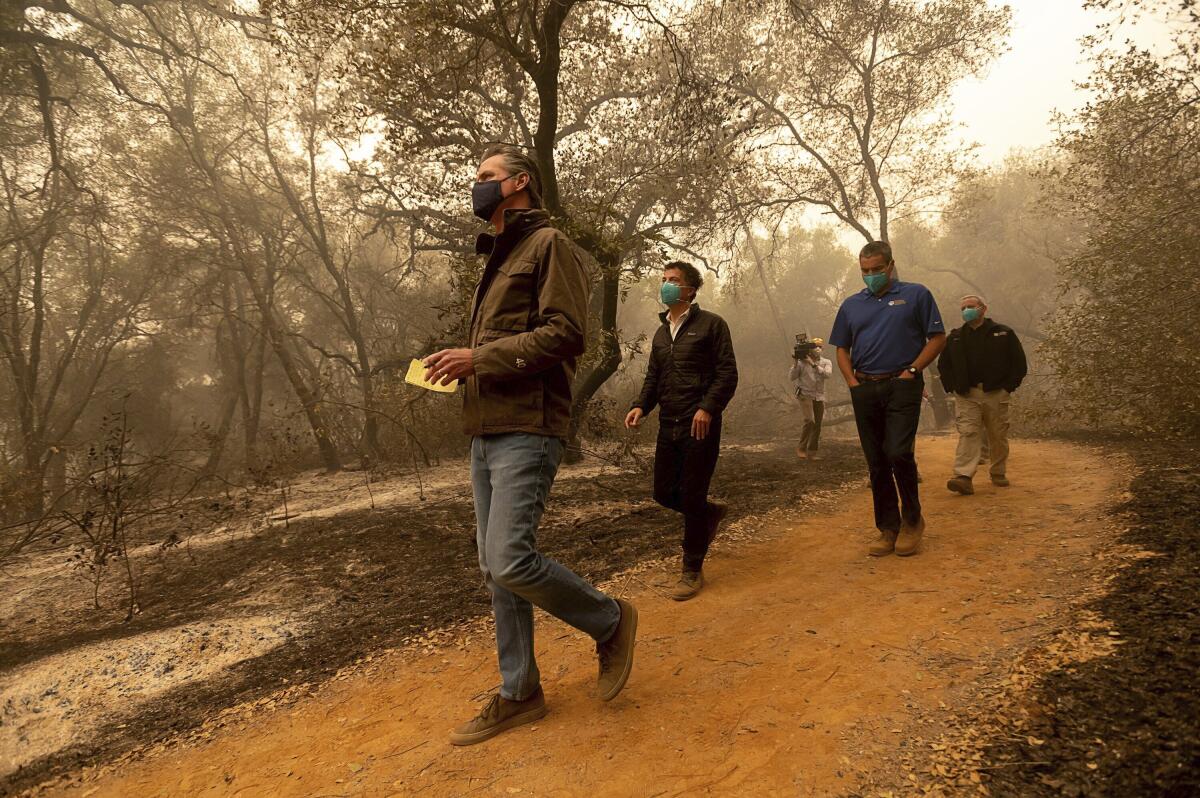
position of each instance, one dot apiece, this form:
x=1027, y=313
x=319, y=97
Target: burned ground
x=1128, y=723
x=366, y=580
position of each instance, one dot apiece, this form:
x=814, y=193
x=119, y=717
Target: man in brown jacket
x=526, y=331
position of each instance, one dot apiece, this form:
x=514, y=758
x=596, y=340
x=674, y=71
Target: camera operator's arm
x=824, y=366
x=794, y=371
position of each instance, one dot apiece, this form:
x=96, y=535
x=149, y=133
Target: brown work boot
x=1000, y=481
x=688, y=586
x=961, y=484
x=885, y=545
x=910, y=538
x=500, y=715
x=717, y=515
x=616, y=654
x=815, y=456
x=803, y=455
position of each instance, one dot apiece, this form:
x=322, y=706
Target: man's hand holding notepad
x=416, y=376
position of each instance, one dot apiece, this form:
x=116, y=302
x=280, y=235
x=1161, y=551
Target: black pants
x=683, y=469
x=887, y=414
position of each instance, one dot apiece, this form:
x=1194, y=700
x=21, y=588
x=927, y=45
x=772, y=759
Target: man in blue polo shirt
x=885, y=337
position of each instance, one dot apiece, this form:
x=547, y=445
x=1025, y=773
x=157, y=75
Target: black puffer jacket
x=1001, y=360
x=696, y=371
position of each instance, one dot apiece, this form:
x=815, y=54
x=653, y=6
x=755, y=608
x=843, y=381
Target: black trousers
x=887, y=414
x=683, y=469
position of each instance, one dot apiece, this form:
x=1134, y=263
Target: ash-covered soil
x=236, y=614
x=1127, y=724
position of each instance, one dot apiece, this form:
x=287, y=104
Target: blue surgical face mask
x=971, y=314
x=875, y=282
x=669, y=293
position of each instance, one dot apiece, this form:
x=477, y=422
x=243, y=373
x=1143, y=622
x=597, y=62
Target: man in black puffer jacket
x=983, y=364
x=691, y=377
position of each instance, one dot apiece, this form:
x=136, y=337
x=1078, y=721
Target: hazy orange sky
x=1013, y=104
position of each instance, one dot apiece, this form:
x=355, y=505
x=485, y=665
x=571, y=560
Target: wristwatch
x=913, y=370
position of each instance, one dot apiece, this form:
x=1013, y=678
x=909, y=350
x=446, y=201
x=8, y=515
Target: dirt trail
x=803, y=666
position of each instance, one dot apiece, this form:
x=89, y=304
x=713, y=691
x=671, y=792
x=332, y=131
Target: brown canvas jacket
x=527, y=328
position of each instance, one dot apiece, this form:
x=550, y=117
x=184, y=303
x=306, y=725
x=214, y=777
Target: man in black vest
x=692, y=375
x=982, y=365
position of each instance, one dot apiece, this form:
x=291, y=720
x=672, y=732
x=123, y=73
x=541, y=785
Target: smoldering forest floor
x=352, y=568
x=1042, y=643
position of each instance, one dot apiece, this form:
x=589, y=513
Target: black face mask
x=487, y=196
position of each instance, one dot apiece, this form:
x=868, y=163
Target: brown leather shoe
x=500, y=715
x=616, y=654
x=1000, y=481
x=885, y=545
x=688, y=586
x=961, y=484
x=910, y=538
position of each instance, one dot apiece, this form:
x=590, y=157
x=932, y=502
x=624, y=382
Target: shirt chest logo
x=897, y=302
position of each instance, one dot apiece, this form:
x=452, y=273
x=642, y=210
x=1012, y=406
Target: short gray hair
x=982, y=301
x=516, y=160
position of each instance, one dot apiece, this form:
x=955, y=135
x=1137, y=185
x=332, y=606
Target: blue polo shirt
x=886, y=333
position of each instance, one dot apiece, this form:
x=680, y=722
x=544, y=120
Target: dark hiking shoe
x=961, y=485
x=688, y=586
x=500, y=715
x=910, y=538
x=885, y=545
x=616, y=654
x=1000, y=481
x=719, y=511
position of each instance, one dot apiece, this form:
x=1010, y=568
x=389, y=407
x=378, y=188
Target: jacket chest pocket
x=690, y=350
x=512, y=297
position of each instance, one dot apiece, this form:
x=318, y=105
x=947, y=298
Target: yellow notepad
x=416, y=376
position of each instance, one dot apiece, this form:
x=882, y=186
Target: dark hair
x=516, y=161
x=877, y=248
x=691, y=275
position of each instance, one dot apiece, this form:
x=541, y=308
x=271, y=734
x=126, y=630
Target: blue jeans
x=511, y=475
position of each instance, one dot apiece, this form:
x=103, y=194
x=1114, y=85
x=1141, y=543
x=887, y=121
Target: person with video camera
x=691, y=376
x=808, y=374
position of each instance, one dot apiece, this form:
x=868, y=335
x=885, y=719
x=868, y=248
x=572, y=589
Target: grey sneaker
x=961, y=484
x=688, y=586
x=500, y=715
x=616, y=654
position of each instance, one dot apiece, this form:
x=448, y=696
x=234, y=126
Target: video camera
x=803, y=347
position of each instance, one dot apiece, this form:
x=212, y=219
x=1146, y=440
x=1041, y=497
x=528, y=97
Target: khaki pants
x=975, y=413
x=811, y=411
